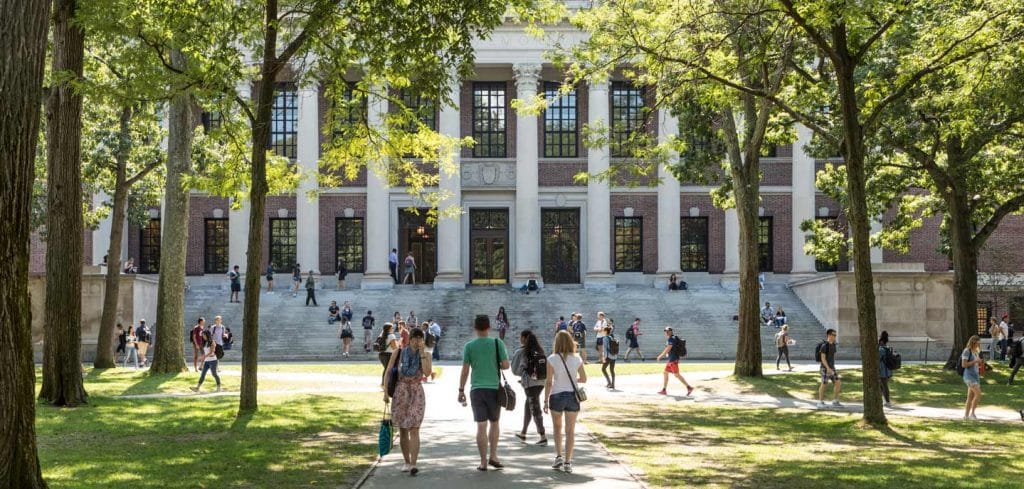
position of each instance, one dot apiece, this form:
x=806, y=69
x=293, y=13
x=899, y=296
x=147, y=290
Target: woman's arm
x=581, y=375
x=387, y=377
x=547, y=385
x=426, y=365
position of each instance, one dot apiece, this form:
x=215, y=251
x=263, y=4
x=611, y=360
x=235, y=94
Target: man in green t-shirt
x=483, y=356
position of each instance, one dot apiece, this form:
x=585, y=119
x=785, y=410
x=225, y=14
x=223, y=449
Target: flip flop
x=496, y=464
x=482, y=469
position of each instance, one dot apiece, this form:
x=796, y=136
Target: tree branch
x=143, y=172
x=816, y=37
x=1002, y=211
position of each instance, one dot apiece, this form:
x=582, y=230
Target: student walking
x=484, y=358
x=217, y=331
x=579, y=335
x=196, y=337
x=409, y=403
x=884, y=372
x=561, y=397
x=236, y=283
x=410, y=269
x=610, y=353
x=435, y=330
x=1016, y=357
x=311, y=289
x=782, y=343
x=633, y=337
x=530, y=363
x=121, y=343
x=825, y=352
x=209, y=361
x=270, y=278
x=970, y=359
x=368, y=324
x=130, y=348
x=561, y=325
x=143, y=338
x=501, y=321
x=296, y=279
x=385, y=346
x=675, y=350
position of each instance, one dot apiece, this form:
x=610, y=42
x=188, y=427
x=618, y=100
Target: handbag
x=506, y=396
x=385, y=438
x=581, y=393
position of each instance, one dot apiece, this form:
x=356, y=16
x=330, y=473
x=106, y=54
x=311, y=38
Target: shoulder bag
x=581, y=393
x=506, y=396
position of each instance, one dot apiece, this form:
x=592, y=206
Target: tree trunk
x=258, y=198
x=860, y=229
x=169, y=355
x=748, y=342
x=965, y=274
x=62, y=338
x=112, y=283
x=22, y=53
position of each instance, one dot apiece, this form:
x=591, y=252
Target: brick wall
x=37, y=252
x=716, y=227
x=273, y=204
x=331, y=208
x=560, y=172
x=779, y=207
x=200, y=208
x=645, y=206
x=776, y=171
x=1002, y=251
x=923, y=246
x=784, y=151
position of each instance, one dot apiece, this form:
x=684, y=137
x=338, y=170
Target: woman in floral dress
x=409, y=402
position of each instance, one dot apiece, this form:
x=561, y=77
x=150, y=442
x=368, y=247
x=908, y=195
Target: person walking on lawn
x=197, y=341
x=565, y=373
x=530, y=364
x=782, y=343
x=409, y=402
x=483, y=357
x=209, y=361
x=884, y=372
x=970, y=360
x=633, y=337
x=826, y=354
x=368, y=321
x=1016, y=357
x=610, y=353
x=674, y=352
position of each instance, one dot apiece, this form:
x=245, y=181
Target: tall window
x=489, y=117
x=561, y=126
x=284, y=121
x=764, y=244
x=984, y=312
x=627, y=116
x=282, y=244
x=831, y=223
x=629, y=256
x=354, y=113
x=348, y=243
x=210, y=120
x=424, y=108
x=215, y=246
x=693, y=239
x=149, y=247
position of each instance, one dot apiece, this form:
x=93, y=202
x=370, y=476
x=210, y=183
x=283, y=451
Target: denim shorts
x=564, y=401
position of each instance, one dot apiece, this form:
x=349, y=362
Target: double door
x=560, y=246
x=488, y=246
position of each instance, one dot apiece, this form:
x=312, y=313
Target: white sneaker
x=974, y=418
x=836, y=404
x=405, y=467
x=821, y=405
x=567, y=467
x=559, y=462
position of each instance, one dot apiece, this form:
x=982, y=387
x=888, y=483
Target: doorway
x=488, y=249
x=560, y=246
x=415, y=234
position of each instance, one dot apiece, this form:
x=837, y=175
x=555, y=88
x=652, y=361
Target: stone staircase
x=702, y=315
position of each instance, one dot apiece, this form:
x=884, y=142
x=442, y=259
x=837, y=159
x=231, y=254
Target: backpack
x=960, y=363
x=818, y=350
x=892, y=360
x=579, y=330
x=429, y=340
x=141, y=336
x=612, y=344
x=1018, y=349
x=381, y=344
x=679, y=347
x=218, y=350
x=536, y=366
x=408, y=261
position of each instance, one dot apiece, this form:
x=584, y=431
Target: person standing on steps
x=209, y=362
x=530, y=364
x=342, y=273
x=385, y=345
x=826, y=354
x=484, y=357
x=311, y=289
x=970, y=359
x=393, y=264
x=412, y=320
x=368, y=324
x=296, y=279
x=409, y=403
x=196, y=337
x=270, y=278
x=561, y=325
x=565, y=373
x=435, y=330
x=579, y=335
x=782, y=343
x=501, y=321
x=675, y=350
x=236, y=283
x=346, y=335
x=633, y=337
x=884, y=372
x=610, y=353
x=346, y=313
x=410, y=269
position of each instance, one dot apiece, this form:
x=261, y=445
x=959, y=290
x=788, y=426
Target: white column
x=732, y=242
x=377, y=275
x=599, y=273
x=668, y=205
x=101, y=235
x=803, y=202
x=307, y=208
x=877, y=255
x=527, y=213
x=449, y=229
x=238, y=219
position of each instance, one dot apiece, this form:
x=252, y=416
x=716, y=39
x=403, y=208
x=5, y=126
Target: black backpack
x=630, y=334
x=536, y=365
x=579, y=330
x=612, y=344
x=1018, y=349
x=141, y=336
x=381, y=345
x=679, y=347
x=960, y=364
x=218, y=351
x=892, y=360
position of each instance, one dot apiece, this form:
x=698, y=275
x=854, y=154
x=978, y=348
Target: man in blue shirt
x=435, y=330
x=393, y=264
x=672, y=366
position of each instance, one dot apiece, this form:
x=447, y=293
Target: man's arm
x=824, y=362
x=664, y=352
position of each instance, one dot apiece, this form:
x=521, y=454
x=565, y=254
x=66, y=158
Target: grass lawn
x=197, y=442
x=653, y=367
x=926, y=385
x=687, y=445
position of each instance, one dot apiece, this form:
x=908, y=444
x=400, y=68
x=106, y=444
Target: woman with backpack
x=209, y=361
x=529, y=363
x=386, y=344
x=884, y=372
x=410, y=269
x=346, y=335
x=501, y=320
x=970, y=360
x=633, y=337
x=610, y=347
x=562, y=396
x=409, y=401
x=782, y=343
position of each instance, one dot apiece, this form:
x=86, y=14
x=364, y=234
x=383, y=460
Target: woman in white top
x=130, y=351
x=565, y=373
x=209, y=361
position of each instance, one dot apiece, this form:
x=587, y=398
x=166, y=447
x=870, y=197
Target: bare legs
x=568, y=423
x=973, y=396
x=487, y=434
x=664, y=384
x=409, y=439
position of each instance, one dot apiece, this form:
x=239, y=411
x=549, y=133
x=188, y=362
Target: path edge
x=367, y=473
x=622, y=463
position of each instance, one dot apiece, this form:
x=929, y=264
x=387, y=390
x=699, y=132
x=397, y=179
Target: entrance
x=488, y=249
x=419, y=237
x=560, y=246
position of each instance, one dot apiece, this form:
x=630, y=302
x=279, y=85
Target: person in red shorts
x=673, y=351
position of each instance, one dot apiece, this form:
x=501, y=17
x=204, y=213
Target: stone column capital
x=526, y=74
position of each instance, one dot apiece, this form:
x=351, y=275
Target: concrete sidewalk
x=448, y=454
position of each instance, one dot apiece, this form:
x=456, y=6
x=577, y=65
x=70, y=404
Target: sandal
x=496, y=464
x=482, y=468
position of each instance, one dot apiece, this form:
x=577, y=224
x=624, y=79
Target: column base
x=599, y=281
x=377, y=281
x=661, y=279
x=449, y=281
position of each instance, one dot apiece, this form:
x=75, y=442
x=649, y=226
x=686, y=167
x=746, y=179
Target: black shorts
x=236, y=287
x=485, y=405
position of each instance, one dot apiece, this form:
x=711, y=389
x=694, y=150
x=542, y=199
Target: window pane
x=627, y=113
x=284, y=123
x=348, y=244
x=629, y=244
x=149, y=247
x=560, y=123
x=764, y=244
x=693, y=235
x=489, y=119
x=283, y=244
x=216, y=246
